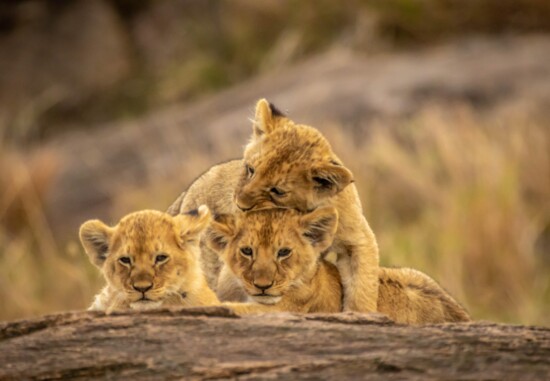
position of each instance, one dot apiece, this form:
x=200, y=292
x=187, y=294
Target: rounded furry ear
x=95, y=236
x=221, y=230
x=330, y=179
x=191, y=223
x=320, y=226
x=264, y=119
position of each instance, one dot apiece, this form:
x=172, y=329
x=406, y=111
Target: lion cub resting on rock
x=276, y=254
x=149, y=259
x=291, y=165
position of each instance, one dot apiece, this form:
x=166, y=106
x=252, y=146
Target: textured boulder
x=213, y=343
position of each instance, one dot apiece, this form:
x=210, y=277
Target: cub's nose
x=242, y=208
x=142, y=286
x=263, y=287
x=242, y=201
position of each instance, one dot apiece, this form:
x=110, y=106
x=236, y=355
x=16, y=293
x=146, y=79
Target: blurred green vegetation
x=175, y=51
x=427, y=21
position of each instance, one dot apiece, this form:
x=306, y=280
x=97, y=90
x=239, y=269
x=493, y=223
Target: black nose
x=142, y=288
x=263, y=287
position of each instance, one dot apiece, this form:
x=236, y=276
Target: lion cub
x=293, y=166
x=276, y=254
x=149, y=259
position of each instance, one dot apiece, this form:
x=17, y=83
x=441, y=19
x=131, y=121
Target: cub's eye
x=323, y=183
x=277, y=191
x=246, y=251
x=161, y=258
x=249, y=170
x=284, y=253
x=125, y=260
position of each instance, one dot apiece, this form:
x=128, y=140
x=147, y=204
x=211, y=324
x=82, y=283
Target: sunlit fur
x=289, y=158
x=409, y=296
x=305, y=282
x=297, y=279
x=296, y=161
x=142, y=237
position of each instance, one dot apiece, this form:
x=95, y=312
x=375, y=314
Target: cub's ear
x=320, y=226
x=191, y=224
x=264, y=120
x=95, y=236
x=221, y=230
x=330, y=179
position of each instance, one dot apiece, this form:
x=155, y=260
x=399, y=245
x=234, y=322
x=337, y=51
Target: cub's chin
x=265, y=299
x=144, y=305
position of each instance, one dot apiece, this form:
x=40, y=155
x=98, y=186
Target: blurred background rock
x=440, y=108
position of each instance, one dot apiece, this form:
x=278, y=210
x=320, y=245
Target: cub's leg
x=252, y=308
x=357, y=255
x=211, y=265
x=229, y=288
x=284, y=305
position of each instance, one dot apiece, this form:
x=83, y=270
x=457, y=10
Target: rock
x=214, y=343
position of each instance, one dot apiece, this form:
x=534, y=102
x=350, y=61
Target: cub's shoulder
x=211, y=184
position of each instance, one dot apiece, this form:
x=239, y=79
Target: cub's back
x=213, y=188
x=411, y=297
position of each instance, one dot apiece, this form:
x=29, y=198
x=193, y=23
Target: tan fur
x=303, y=281
x=164, y=257
x=295, y=282
x=297, y=160
x=411, y=297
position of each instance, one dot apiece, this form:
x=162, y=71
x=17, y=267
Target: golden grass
x=37, y=272
x=460, y=196
x=467, y=200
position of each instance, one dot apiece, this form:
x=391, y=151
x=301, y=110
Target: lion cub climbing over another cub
x=276, y=255
x=291, y=165
x=149, y=259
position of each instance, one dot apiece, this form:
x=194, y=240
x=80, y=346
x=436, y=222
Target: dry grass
x=37, y=272
x=467, y=200
x=463, y=197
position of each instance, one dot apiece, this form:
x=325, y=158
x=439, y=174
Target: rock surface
x=213, y=343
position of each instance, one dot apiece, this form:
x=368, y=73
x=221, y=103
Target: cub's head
x=272, y=251
x=287, y=165
x=148, y=256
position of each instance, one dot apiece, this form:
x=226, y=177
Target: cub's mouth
x=259, y=205
x=145, y=304
x=265, y=299
x=141, y=298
